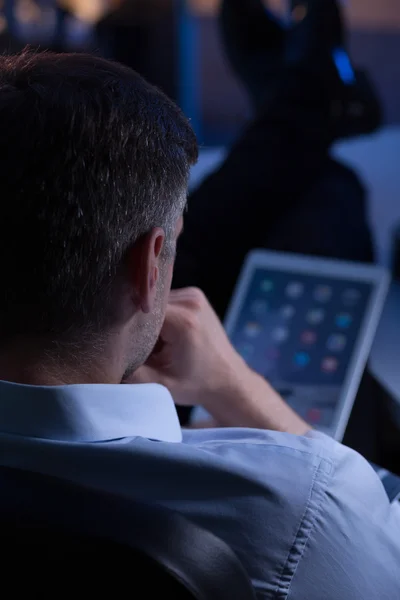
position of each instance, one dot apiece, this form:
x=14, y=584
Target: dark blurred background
x=374, y=43
x=175, y=44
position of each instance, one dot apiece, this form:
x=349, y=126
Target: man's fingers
x=183, y=311
x=184, y=295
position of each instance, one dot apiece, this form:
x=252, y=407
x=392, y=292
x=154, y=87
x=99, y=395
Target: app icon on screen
x=314, y=416
x=323, y=293
x=316, y=316
x=246, y=351
x=308, y=337
x=267, y=286
x=272, y=354
x=336, y=342
x=301, y=359
x=295, y=289
x=259, y=308
x=280, y=335
x=344, y=320
x=252, y=329
x=351, y=297
x=288, y=312
x=330, y=364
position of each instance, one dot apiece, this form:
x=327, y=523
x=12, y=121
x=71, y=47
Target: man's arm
x=250, y=401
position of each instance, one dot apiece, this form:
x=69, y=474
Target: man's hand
x=195, y=360
x=193, y=357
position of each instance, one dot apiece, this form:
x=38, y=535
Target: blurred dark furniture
x=61, y=540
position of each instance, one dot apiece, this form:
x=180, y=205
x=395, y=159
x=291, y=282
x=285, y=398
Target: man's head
x=94, y=165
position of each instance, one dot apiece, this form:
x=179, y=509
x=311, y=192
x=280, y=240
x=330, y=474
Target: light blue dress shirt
x=309, y=518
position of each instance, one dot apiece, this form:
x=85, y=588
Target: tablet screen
x=300, y=331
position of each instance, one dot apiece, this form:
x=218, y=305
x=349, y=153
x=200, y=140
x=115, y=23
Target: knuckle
x=190, y=321
x=196, y=300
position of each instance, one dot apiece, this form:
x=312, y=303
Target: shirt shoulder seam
x=311, y=512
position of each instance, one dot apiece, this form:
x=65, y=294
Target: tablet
x=307, y=325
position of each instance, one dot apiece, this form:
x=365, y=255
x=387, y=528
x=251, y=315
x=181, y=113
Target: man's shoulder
x=265, y=456
x=311, y=448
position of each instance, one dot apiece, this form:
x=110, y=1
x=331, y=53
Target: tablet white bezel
x=333, y=269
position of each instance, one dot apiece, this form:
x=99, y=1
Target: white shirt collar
x=88, y=413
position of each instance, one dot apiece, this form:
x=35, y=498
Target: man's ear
x=144, y=267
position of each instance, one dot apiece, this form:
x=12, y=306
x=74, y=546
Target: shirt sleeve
x=353, y=551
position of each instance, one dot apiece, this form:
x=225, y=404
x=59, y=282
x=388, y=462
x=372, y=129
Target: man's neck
x=36, y=366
